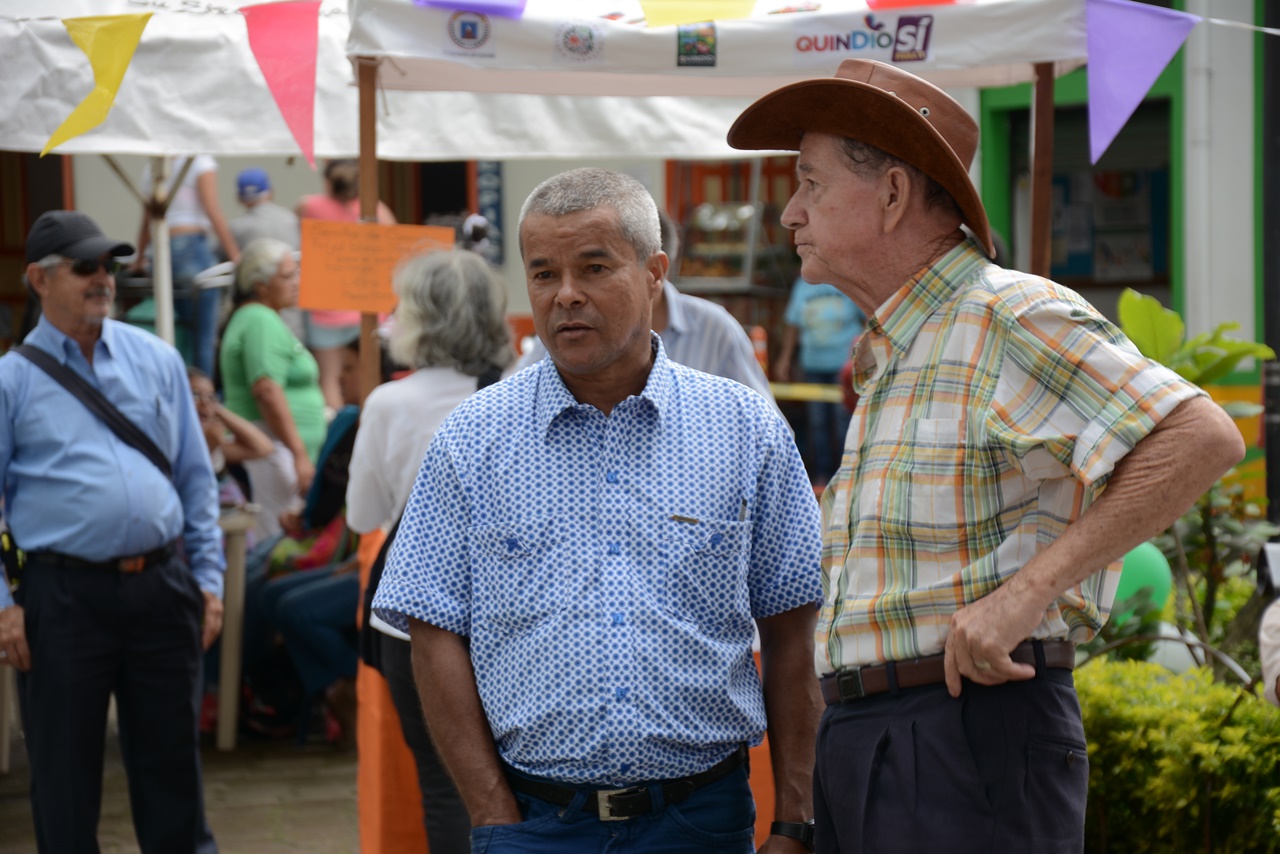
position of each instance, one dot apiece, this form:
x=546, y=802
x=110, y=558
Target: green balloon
x=1145, y=566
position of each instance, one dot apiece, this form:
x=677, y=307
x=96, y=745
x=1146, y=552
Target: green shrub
x=1178, y=762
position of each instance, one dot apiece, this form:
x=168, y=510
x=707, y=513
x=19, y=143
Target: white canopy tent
x=590, y=49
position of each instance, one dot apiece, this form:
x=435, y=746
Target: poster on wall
x=1107, y=227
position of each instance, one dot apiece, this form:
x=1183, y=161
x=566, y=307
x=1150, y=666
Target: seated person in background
x=306, y=587
x=231, y=439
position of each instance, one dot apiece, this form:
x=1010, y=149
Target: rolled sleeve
x=1075, y=396
x=786, y=547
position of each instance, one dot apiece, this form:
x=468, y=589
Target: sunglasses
x=87, y=267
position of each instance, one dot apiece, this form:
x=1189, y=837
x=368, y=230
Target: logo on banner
x=470, y=31
x=908, y=42
x=911, y=44
x=696, y=44
x=579, y=43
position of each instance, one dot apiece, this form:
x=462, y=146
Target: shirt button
x=620, y=693
x=717, y=539
x=619, y=619
x=611, y=477
x=615, y=549
x=512, y=544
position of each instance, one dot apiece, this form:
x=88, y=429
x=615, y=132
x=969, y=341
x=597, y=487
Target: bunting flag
x=664, y=13
x=1129, y=45
x=110, y=42
x=284, y=38
x=501, y=8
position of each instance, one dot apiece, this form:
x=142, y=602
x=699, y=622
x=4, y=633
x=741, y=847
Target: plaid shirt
x=993, y=408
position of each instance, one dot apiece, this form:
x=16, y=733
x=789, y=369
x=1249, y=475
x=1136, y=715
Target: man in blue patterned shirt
x=582, y=557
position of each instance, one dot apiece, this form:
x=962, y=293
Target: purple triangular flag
x=502, y=8
x=1129, y=45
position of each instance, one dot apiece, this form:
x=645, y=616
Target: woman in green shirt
x=269, y=378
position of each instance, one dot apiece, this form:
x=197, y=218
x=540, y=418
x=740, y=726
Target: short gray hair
x=259, y=261
x=869, y=161
x=452, y=313
x=590, y=188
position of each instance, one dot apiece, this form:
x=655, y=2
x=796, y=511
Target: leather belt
x=632, y=801
x=857, y=682
x=133, y=564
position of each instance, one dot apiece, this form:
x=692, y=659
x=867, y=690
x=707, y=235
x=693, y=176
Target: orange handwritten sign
x=347, y=266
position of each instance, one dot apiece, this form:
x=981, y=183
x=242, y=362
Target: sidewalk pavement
x=266, y=797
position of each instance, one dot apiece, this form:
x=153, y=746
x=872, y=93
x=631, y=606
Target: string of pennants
x=284, y=39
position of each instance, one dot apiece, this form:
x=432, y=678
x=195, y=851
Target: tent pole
x=1042, y=171
x=367, y=78
x=161, y=263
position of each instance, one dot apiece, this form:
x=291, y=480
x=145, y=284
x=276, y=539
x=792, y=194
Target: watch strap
x=801, y=831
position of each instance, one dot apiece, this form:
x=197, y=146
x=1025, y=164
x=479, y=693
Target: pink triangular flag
x=284, y=38
x=1129, y=45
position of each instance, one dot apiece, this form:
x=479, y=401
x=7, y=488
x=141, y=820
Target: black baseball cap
x=73, y=235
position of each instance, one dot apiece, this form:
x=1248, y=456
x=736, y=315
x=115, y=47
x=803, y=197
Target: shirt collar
x=676, y=320
x=58, y=344
x=895, y=324
x=552, y=397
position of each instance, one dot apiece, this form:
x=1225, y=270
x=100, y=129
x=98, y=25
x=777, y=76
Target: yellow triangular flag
x=109, y=41
x=662, y=13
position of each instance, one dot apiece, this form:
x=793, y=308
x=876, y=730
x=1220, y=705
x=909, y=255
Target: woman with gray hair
x=269, y=378
x=450, y=325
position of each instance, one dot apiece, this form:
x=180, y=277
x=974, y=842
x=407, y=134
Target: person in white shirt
x=450, y=325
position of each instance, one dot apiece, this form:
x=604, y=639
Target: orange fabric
x=386, y=777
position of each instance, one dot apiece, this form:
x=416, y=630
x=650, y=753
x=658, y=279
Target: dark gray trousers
x=1000, y=769
x=93, y=633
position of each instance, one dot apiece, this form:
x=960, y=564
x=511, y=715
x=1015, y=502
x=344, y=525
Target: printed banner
x=284, y=38
x=110, y=42
x=501, y=8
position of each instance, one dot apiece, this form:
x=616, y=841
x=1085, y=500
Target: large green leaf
x=1156, y=331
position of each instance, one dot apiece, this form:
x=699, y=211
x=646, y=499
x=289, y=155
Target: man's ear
x=896, y=192
x=659, y=264
x=39, y=278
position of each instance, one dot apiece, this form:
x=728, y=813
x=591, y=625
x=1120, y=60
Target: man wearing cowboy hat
x=107, y=605
x=1009, y=446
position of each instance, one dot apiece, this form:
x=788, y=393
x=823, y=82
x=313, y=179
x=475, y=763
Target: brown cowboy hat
x=881, y=105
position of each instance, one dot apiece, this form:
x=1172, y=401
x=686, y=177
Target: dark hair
x=869, y=160
x=344, y=179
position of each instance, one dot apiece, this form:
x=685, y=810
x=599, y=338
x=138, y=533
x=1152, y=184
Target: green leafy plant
x=1214, y=545
x=1178, y=763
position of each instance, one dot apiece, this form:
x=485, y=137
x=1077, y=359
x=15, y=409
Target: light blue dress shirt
x=607, y=568
x=71, y=486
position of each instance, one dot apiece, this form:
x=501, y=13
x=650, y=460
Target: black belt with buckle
x=632, y=801
x=858, y=682
x=132, y=564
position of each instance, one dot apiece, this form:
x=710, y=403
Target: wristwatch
x=799, y=830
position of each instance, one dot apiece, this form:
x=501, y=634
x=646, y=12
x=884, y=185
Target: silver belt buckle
x=605, y=810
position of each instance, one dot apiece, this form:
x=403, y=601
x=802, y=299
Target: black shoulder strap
x=98, y=404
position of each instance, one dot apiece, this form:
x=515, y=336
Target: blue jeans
x=719, y=817
x=315, y=612
x=191, y=255
x=828, y=423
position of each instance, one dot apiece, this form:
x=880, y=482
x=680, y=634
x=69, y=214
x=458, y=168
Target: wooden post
x=1042, y=171
x=370, y=354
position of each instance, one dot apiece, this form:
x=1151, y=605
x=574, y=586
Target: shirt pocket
x=699, y=571
x=520, y=573
x=925, y=485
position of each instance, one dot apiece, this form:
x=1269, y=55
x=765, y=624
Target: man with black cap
x=105, y=605
x=1009, y=446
